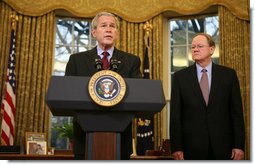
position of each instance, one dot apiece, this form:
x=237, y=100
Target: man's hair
x=95, y=19
x=208, y=37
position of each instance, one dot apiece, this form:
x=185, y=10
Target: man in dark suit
x=105, y=28
x=210, y=127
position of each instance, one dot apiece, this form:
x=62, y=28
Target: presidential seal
x=107, y=88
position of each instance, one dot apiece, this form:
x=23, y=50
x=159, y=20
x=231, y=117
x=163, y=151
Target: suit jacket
x=194, y=125
x=83, y=64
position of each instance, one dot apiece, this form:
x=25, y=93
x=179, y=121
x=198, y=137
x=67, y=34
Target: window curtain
x=34, y=57
x=130, y=10
x=131, y=40
x=235, y=53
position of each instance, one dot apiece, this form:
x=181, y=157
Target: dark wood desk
x=70, y=157
x=35, y=157
x=151, y=157
x=59, y=155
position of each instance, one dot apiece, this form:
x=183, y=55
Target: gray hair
x=95, y=19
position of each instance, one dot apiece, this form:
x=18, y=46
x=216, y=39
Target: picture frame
x=35, y=137
x=36, y=147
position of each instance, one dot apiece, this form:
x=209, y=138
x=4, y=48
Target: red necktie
x=204, y=85
x=105, y=60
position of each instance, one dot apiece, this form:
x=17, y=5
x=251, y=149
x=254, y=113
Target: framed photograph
x=36, y=147
x=33, y=137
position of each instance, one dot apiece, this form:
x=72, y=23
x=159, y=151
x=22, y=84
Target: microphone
x=98, y=64
x=114, y=63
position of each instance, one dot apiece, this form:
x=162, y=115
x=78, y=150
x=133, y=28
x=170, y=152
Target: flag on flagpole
x=145, y=126
x=8, y=107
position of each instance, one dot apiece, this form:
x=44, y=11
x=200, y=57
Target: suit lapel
x=118, y=56
x=214, y=82
x=192, y=73
x=91, y=56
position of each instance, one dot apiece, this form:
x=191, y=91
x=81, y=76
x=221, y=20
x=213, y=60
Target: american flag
x=145, y=126
x=9, y=99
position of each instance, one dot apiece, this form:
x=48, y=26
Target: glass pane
x=62, y=53
x=61, y=57
x=216, y=54
x=212, y=27
x=178, y=32
x=179, y=57
x=64, y=32
x=195, y=26
x=80, y=49
x=59, y=68
x=191, y=35
x=81, y=33
x=190, y=60
x=56, y=141
x=191, y=32
x=190, y=24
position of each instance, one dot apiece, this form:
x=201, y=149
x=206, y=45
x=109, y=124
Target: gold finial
x=14, y=19
x=148, y=28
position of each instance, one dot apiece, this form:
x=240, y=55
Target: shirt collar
x=208, y=68
x=100, y=51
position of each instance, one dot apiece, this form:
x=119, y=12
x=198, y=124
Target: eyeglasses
x=197, y=46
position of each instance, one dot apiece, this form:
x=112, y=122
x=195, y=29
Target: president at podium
x=105, y=28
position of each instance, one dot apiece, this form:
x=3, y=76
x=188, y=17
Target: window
x=72, y=35
x=181, y=34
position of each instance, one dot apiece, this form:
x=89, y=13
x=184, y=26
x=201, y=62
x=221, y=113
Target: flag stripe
x=9, y=101
x=9, y=98
x=7, y=139
x=8, y=116
x=4, y=139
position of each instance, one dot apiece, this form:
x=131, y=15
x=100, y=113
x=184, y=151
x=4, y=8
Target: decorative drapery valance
x=130, y=10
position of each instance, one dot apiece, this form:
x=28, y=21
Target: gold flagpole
x=148, y=28
x=14, y=19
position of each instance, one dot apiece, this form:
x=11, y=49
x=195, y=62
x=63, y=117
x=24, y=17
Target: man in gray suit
x=210, y=127
x=105, y=28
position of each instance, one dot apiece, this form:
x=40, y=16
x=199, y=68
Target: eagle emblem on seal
x=106, y=88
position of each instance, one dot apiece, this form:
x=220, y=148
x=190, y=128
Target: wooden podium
x=68, y=96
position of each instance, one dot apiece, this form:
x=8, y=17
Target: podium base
x=103, y=146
